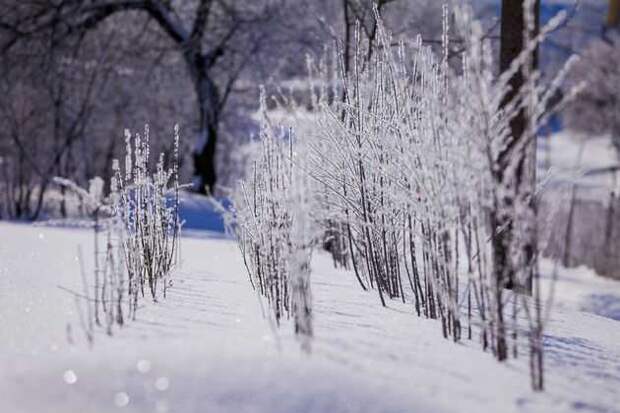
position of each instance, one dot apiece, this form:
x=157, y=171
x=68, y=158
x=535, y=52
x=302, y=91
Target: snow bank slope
x=207, y=348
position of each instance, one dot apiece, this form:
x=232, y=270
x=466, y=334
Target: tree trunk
x=207, y=94
x=613, y=14
x=205, y=176
x=520, y=187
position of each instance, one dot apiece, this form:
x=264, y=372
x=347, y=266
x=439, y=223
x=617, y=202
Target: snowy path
x=207, y=348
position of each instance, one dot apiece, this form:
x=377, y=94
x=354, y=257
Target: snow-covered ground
x=208, y=348
x=568, y=157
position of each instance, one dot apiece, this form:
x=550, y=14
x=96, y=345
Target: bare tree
x=216, y=39
x=49, y=100
x=596, y=110
x=516, y=162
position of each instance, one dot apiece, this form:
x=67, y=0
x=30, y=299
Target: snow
x=208, y=348
x=571, y=157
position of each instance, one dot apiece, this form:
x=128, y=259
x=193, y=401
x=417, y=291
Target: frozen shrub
x=272, y=222
x=148, y=208
x=406, y=175
x=136, y=231
x=597, y=111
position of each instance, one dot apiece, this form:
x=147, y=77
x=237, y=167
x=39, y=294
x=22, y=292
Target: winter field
x=348, y=217
x=209, y=348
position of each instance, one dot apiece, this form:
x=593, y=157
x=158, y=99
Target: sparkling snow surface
x=208, y=348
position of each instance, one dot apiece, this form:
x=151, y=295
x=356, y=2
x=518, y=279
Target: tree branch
x=200, y=21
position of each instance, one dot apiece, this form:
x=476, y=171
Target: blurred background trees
x=75, y=73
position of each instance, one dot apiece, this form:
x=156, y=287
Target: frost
x=69, y=377
x=136, y=232
x=272, y=222
x=143, y=366
x=405, y=169
x=121, y=399
x=162, y=383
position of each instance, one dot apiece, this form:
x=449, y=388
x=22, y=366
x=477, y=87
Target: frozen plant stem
x=139, y=220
